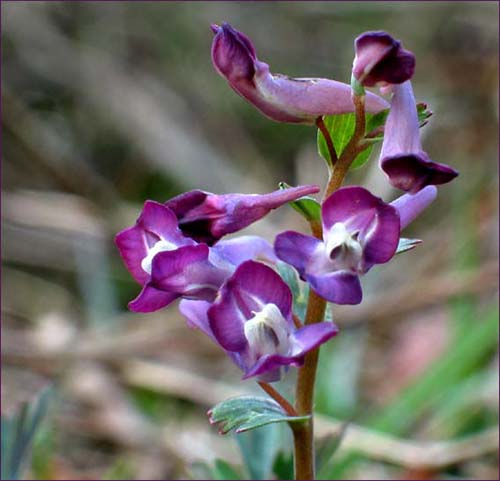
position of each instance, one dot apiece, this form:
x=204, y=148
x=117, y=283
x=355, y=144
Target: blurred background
x=107, y=104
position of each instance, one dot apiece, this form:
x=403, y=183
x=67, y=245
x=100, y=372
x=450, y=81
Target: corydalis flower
x=281, y=98
x=407, y=166
x=252, y=320
x=207, y=217
x=169, y=265
x=359, y=231
x=380, y=59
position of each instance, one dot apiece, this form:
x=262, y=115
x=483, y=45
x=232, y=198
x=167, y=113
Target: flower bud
x=279, y=97
x=406, y=165
x=380, y=59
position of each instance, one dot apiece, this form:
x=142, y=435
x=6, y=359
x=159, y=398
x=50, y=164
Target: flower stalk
x=303, y=434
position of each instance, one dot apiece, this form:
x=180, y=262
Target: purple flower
x=380, y=59
x=406, y=165
x=359, y=231
x=252, y=320
x=169, y=265
x=206, y=217
x=281, y=98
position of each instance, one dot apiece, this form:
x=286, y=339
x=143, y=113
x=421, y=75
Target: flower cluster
x=229, y=288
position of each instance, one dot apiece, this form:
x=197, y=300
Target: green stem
x=303, y=433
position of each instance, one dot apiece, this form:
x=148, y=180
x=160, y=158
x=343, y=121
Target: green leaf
x=224, y=471
x=243, y=413
x=18, y=432
x=289, y=275
x=283, y=465
x=258, y=448
x=423, y=113
x=306, y=206
x=326, y=448
x=341, y=128
x=407, y=244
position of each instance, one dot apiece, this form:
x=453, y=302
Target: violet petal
x=411, y=206
x=340, y=287
x=402, y=159
x=151, y=299
x=295, y=249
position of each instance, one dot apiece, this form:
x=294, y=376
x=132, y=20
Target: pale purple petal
x=279, y=97
x=244, y=248
x=380, y=58
x=151, y=299
x=195, y=313
x=295, y=249
x=410, y=206
x=406, y=165
x=339, y=287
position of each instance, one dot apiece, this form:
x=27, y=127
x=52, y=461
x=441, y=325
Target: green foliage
x=243, y=413
x=223, y=470
x=325, y=449
x=341, y=128
x=283, y=465
x=258, y=448
x=306, y=206
x=18, y=432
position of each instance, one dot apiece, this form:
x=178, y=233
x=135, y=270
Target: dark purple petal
x=151, y=299
x=207, y=217
x=380, y=58
x=155, y=223
x=296, y=249
x=340, y=287
x=277, y=96
x=233, y=54
x=412, y=172
x=131, y=243
x=186, y=271
x=406, y=165
x=272, y=363
x=244, y=248
x=248, y=290
x=410, y=206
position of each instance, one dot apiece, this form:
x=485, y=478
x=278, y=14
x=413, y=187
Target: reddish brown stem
x=328, y=139
x=289, y=409
x=316, y=306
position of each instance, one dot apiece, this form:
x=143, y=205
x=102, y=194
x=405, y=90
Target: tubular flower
x=402, y=159
x=359, y=231
x=252, y=320
x=281, y=98
x=206, y=217
x=380, y=59
x=169, y=265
